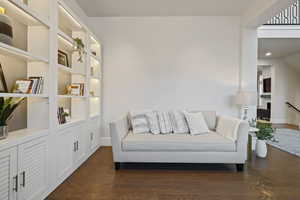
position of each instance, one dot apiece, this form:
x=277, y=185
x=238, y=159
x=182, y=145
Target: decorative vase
x=261, y=148
x=6, y=30
x=3, y=132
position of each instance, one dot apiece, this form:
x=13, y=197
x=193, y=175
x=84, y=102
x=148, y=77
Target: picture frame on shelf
x=3, y=81
x=62, y=58
x=23, y=86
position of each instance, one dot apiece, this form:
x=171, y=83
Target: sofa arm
x=118, y=130
x=242, y=140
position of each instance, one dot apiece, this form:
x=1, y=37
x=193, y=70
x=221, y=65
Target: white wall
x=285, y=87
x=171, y=62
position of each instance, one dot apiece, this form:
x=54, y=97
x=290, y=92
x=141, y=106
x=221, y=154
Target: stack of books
x=77, y=89
x=37, y=85
x=32, y=85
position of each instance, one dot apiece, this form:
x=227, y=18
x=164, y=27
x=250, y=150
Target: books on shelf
x=77, y=89
x=32, y=85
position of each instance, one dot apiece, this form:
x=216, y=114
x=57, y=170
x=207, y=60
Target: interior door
x=66, y=152
x=32, y=163
x=8, y=174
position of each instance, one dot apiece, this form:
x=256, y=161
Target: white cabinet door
x=94, y=133
x=65, y=153
x=32, y=168
x=81, y=144
x=8, y=174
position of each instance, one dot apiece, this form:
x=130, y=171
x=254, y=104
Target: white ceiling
x=101, y=8
x=279, y=48
x=285, y=49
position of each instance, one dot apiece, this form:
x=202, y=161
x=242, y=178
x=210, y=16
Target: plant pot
x=261, y=148
x=3, y=132
x=6, y=30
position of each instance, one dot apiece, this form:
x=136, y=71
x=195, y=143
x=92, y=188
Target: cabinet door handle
x=16, y=183
x=23, y=178
x=92, y=136
x=74, y=146
x=77, y=145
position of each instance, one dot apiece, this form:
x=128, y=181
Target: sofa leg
x=117, y=165
x=240, y=167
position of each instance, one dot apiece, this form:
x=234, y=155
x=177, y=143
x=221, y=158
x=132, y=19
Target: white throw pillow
x=164, y=122
x=179, y=123
x=139, y=122
x=153, y=122
x=196, y=123
x=228, y=127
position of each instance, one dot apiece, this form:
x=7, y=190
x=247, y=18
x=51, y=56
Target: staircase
x=294, y=108
x=289, y=16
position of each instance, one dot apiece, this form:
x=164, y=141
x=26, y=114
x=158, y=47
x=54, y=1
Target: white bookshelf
x=40, y=29
x=33, y=54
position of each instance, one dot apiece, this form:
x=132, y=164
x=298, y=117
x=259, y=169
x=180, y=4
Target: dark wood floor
x=274, y=178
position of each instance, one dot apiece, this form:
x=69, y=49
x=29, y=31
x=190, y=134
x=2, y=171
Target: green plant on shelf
x=7, y=107
x=79, y=47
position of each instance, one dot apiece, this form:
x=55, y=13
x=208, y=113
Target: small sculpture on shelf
x=6, y=29
x=79, y=47
x=7, y=107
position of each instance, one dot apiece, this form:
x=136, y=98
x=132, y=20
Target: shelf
x=67, y=18
x=69, y=70
x=21, y=54
x=21, y=136
x=71, y=96
x=22, y=13
x=95, y=77
x=94, y=116
x=98, y=60
x=71, y=123
x=95, y=96
x=17, y=95
x=66, y=37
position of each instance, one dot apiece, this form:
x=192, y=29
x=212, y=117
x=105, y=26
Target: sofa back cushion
x=228, y=127
x=210, y=118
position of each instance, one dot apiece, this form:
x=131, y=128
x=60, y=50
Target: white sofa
x=173, y=148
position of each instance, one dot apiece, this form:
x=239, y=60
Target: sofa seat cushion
x=211, y=142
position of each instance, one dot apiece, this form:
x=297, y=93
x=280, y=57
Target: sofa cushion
x=165, y=123
x=139, y=121
x=211, y=142
x=228, y=127
x=196, y=123
x=209, y=116
x=179, y=123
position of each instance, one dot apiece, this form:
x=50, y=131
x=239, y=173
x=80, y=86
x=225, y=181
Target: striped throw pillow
x=179, y=122
x=165, y=124
x=139, y=122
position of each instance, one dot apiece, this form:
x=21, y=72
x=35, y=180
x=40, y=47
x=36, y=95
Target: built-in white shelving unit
x=41, y=28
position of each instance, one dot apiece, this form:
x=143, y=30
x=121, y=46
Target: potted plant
x=79, y=47
x=264, y=134
x=7, y=107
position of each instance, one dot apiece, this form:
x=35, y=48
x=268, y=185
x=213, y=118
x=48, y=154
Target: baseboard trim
x=105, y=141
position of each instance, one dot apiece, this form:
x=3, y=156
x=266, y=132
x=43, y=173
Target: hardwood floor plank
x=274, y=178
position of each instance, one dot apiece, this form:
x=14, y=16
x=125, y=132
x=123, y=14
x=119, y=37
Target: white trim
x=105, y=141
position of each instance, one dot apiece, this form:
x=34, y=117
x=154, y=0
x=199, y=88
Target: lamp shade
x=246, y=98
